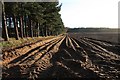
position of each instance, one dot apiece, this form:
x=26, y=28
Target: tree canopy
x=31, y=19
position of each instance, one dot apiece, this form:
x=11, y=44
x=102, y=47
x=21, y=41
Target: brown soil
x=63, y=57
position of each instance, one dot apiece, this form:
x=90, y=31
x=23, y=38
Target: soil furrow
x=10, y=56
x=29, y=53
x=39, y=54
x=65, y=57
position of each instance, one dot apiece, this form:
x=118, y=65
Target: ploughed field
x=63, y=57
x=106, y=36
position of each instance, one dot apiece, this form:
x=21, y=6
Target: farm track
x=64, y=57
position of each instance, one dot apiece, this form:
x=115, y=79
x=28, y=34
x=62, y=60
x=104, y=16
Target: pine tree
x=4, y=28
x=34, y=19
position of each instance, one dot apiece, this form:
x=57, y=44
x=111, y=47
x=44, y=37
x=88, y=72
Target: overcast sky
x=90, y=13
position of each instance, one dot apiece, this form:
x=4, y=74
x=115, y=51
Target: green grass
x=14, y=43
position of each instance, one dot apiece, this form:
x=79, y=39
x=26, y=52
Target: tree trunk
x=23, y=21
x=21, y=27
x=38, y=28
x=25, y=29
x=42, y=32
x=16, y=28
x=4, y=29
x=51, y=33
x=30, y=27
x=46, y=31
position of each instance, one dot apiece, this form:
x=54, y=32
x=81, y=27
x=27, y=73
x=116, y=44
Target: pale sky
x=90, y=13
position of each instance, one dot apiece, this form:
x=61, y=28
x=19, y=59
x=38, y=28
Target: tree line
x=85, y=30
x=31, y=19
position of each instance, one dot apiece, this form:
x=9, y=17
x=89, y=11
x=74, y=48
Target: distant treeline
x=31, y=19
x=91, y=30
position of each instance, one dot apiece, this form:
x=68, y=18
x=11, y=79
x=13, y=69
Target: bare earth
x=63, y=57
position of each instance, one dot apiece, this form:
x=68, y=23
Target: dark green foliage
x=84, y=30
x=33, y=19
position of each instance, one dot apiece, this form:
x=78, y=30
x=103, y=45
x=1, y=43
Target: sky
x=90, y=13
